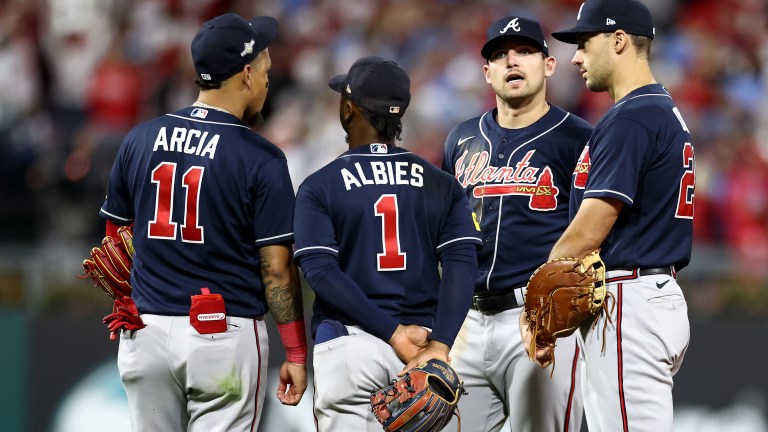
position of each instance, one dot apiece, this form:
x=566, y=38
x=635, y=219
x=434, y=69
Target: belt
x=626, y=273
x=491, y=302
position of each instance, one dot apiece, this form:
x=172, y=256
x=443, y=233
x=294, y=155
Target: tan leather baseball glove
x=561, y=294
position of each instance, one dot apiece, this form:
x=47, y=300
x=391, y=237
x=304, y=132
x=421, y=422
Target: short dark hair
x=388, y=127
x=207, y=85
x=642, y=45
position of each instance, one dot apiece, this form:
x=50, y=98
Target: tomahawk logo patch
x=581, y=172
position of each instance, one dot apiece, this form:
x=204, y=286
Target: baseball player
x=638, y=208
x=372, y=227
x=515, y=163
x=212, y=207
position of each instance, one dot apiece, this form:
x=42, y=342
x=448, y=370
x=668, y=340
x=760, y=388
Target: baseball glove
x=110, y=265
x=424, y=399
x=561, y=294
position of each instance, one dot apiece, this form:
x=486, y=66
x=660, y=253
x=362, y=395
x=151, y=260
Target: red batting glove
x=125, y=316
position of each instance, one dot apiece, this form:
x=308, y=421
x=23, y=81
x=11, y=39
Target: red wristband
x=294, y=340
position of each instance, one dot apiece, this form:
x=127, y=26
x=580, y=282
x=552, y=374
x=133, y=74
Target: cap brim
x=490, y=46
x=571, y=35
x=266, y=27
x=337, y=83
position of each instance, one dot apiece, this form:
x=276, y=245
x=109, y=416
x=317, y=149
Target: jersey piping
x=115, y=216
x=273, y=237
x=631, y=201
x=501, y=201
x=639, y=96
x=316, y=247
x=458, y=239
x=192, y=119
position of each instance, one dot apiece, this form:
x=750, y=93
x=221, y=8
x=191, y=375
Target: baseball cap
x=228, y=42
x=607, y=16
x=376, y=84
x=513, y=26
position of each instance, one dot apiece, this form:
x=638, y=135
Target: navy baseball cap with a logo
x=225, y=44
x=512, y=26
x=376, y=84
x=607, y=16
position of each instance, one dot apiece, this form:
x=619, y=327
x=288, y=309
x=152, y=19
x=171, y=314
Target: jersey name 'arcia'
x=381, y=173
x=189, y=141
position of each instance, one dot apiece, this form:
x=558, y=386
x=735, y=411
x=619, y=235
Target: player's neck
x=360, y=135
x=630, y=76
x=523, y=115
x=219, y=99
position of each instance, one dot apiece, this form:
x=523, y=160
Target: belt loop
x=520, y=295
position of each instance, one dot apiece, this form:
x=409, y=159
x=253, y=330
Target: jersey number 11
x=161, y=226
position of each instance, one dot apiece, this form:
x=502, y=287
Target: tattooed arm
x=283, y=291
x=281, y=283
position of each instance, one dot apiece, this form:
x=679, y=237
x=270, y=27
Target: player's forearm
x=283, y=292
x=588, y=229
x=335, y=288
x=281, y=283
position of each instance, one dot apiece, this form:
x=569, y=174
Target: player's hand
x=293, y=383
x=543, y=355
x=409, y=341
x=434, y=350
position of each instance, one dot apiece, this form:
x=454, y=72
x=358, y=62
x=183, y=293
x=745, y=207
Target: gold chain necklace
x=205, y=105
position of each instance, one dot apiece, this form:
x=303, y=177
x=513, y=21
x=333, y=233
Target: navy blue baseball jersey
x=641, y=153
x=518, y=182
x=385, y=214
x=204, y=192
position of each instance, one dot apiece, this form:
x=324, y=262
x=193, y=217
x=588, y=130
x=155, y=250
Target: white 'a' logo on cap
x=248, y=48
x=349, y=89
x=578, y=17
x=513, y=25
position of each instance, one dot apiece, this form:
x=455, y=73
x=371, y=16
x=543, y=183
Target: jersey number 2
x=687, y=183
x=161, y=227
x=392, y=258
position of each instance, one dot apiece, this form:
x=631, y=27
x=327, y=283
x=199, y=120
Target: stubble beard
x=597, y=83
x=516, y=96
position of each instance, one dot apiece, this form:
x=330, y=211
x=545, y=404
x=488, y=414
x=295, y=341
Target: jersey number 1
x=392, y=258
x=161, y=227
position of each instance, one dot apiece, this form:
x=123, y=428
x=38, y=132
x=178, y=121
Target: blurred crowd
x=76, y=75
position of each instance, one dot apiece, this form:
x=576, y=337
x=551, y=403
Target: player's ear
x=620, y=41
x=346, y=109
x=549, y=66
x=246, y=75
x=487, y=73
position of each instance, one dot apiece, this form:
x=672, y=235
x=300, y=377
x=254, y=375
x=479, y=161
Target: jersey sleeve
x=461, y=224
x=314, y=229
x=273, y=203
x=459, y=263
x=618, y=156
x=117, y=206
